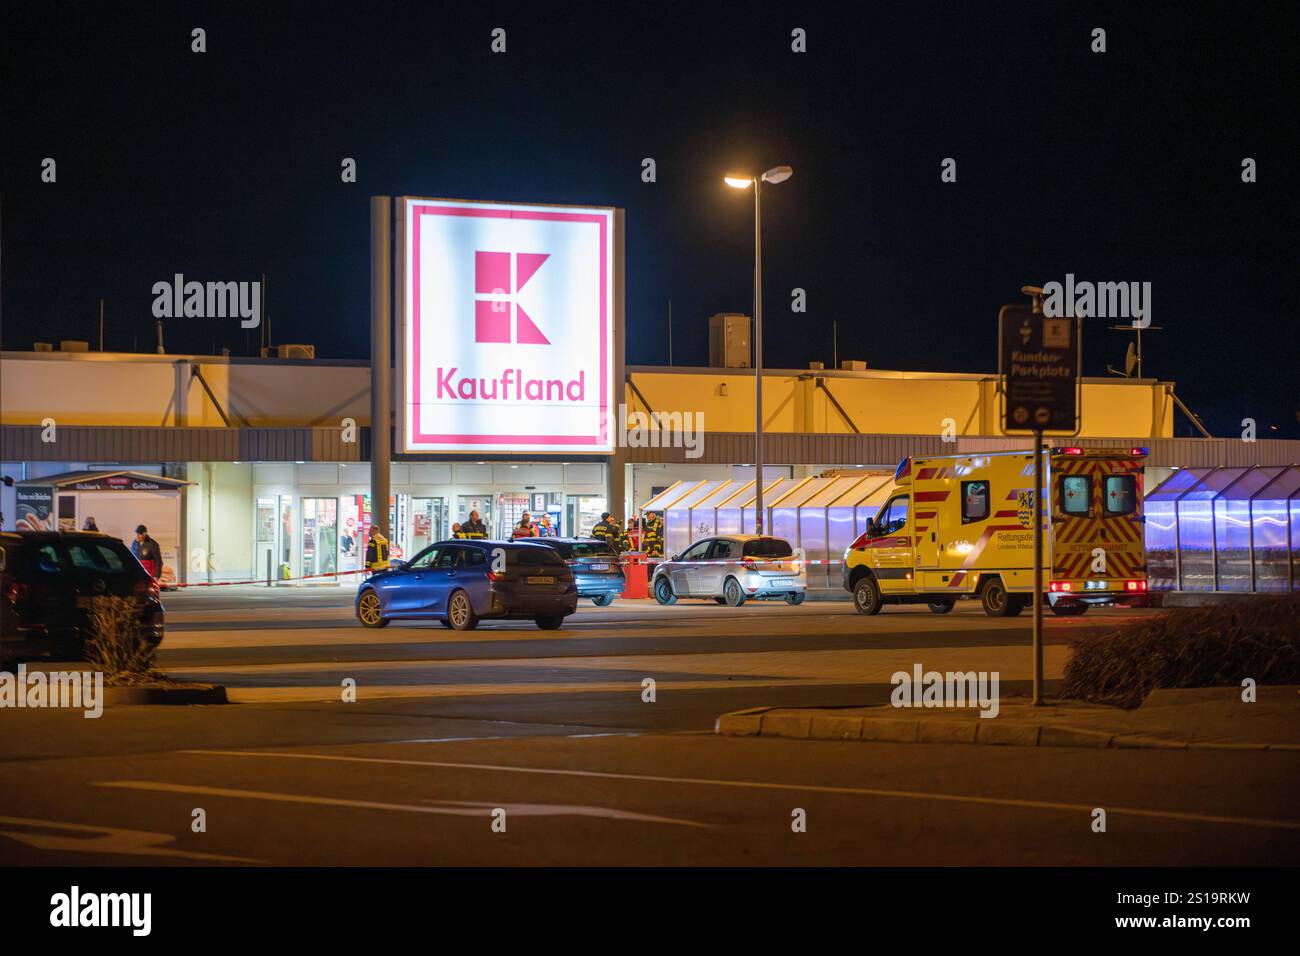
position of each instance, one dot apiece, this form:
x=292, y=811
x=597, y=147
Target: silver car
x=732, y=569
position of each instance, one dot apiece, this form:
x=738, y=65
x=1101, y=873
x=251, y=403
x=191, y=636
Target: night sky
x=1122, y=166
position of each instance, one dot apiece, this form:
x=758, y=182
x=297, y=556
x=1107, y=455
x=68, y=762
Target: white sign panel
x=508, y=328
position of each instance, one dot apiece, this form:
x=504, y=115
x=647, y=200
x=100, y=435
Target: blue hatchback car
x=462, y=582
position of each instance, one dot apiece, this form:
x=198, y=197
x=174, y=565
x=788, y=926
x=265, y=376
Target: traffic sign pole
x=1038, y=569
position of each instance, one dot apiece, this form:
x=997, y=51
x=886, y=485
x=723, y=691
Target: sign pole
x=381, y=380
x=1038, y=568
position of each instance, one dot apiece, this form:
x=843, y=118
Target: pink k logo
x=498, y=277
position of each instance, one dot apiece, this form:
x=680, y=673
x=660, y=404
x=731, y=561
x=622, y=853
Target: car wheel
x=996, y=601
x=942, y=607
x=550, y=622
x=370, y=612
x=460, y=612
x=603, y=600
x=1070, y=610
x=664, y=591
x=719, y=600
x=866, y=596
x=733, y=593
x=795, y=598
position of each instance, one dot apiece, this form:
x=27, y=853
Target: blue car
x=464, y=581
x=595, y=567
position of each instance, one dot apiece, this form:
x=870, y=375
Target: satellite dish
x=1130, y=360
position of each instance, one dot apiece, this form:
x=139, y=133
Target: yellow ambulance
x=961, y=526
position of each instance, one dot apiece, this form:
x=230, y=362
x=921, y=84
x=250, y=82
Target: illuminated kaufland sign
x=508, y=328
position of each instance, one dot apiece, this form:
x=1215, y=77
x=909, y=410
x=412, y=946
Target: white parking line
x=761, y=785
x=455, y=808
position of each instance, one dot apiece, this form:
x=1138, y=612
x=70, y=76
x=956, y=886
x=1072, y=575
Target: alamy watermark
x=1101, y=300
x=661, y=430
x=950, y=689
x=75, y=908
x=209, y=300
x=82, y=690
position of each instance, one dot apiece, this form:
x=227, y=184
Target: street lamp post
x=777, y=174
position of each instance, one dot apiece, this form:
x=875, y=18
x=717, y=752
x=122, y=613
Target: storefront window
x=319, y=535
x=264, y=553
x=582, y=514
x=286, y=536
x=427, y=522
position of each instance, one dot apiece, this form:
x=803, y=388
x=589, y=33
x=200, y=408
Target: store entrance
x=428, y=522
x=511, y=506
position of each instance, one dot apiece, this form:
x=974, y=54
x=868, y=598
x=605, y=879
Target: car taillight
x=496, y=576
x=17, y=591
x=1061, y=586
x=796, y=566
x=749, y=565
x=149, y=587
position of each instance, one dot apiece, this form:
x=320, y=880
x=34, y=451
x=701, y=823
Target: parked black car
x=595, y=567
x=47, y=581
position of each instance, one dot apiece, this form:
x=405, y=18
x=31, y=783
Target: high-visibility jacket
x=522, y=532
x=473, y=529
x=377, y=553
x=608, y=531
x=652, y=542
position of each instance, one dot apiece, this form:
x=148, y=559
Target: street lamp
x=777, y=174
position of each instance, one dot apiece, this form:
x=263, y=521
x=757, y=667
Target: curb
x=211, y=694
x=761, y=722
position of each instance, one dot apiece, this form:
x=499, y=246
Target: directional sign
x=1040, y=367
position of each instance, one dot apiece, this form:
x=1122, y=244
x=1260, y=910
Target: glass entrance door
x=428, y=522
x=319, y=536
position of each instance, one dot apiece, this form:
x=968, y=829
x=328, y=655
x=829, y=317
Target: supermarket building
x=265, y=462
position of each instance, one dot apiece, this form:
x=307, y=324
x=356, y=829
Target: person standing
x=525, y=528
x=474, y=527
x=607, y=530
x=90, y=524
x=544, y=528
x=146, y=551
x=377, y=551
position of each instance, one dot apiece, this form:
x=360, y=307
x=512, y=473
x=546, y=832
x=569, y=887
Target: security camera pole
x=777, y=174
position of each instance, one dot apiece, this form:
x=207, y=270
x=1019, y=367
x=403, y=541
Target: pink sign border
x=601, y=219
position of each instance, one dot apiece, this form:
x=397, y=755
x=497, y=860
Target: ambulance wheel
x=997, y=602
x=942, y=607
x=1070, y=610
x=603, y=600
x=866, y=596
x=733, y=593
x=664, y=591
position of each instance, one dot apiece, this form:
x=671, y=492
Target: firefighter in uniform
x=473, y=528
x=376, y=551
x=607, y=530
x=652, y=540
x=632, y=536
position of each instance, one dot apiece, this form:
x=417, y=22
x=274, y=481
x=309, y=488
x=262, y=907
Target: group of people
x=647, y=533
x=527, y=528
x=644, y=535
